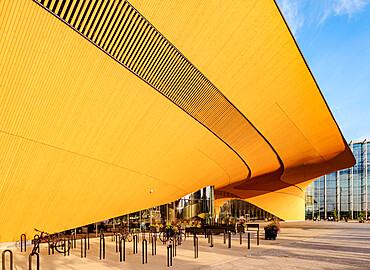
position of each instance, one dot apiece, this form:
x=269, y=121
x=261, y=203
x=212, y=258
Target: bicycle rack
x=249, y=240
x=23, y=242
x=122, y=249
x=145, y=250
x=36, y=237
x=11, y=259
x=102, y=241
x=196, y=248
x=229, y=239
x=37, y=261
x=169, y=255
x=154, y=245
x=134, y=242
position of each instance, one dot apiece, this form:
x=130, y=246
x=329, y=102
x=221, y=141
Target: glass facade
x=345, y=193
x=195, y=206
x=238, y=208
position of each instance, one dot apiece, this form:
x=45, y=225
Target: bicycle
x=170, y=234
x=52, y=240
x=125, y=234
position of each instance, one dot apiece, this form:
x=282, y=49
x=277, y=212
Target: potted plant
x=241, y=227
x=271, y=231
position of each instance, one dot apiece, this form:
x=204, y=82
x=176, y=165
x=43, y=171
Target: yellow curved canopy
x=102, y=102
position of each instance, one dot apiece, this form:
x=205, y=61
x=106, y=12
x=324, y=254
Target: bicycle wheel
x=181, y=238
x=60, y=247
x=128, y=237
x=163, y=236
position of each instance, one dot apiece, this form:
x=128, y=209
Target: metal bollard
x=241, y=237
x=145, y=250
x=196, y=249
x=174, y=246
x=10, y=256
x=83, y=247
x=23, y=242
x=249, y=240
x=69, y=246
x=258, y=237
x=88, y=241
x=134, y=243
x=154, y=245
x=225, y=237
x=65, y=247
x=102, y=246
x=37, y=261
x=117, y=240
x=211, y=239
x=74, y=240
x=122, y=249
x=169, y=255
x=229, y=239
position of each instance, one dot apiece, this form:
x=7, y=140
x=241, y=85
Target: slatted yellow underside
x=82, y=139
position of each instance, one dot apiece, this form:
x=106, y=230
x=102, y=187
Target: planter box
x=270, y=235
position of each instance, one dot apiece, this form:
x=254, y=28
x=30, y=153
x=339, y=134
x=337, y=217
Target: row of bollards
x=121, y=246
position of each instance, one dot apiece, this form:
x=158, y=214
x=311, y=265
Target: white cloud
x=340, y=8
x=290, y=10
x=349, y=7
x=298, y=12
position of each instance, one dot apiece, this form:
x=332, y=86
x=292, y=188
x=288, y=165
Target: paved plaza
x=300, y=245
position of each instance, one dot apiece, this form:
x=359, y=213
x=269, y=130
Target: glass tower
x=345, y=193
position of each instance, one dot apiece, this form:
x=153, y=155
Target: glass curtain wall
x=241, y=209
x=345, y=193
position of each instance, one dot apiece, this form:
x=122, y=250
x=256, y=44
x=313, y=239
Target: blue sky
x=334, y=37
